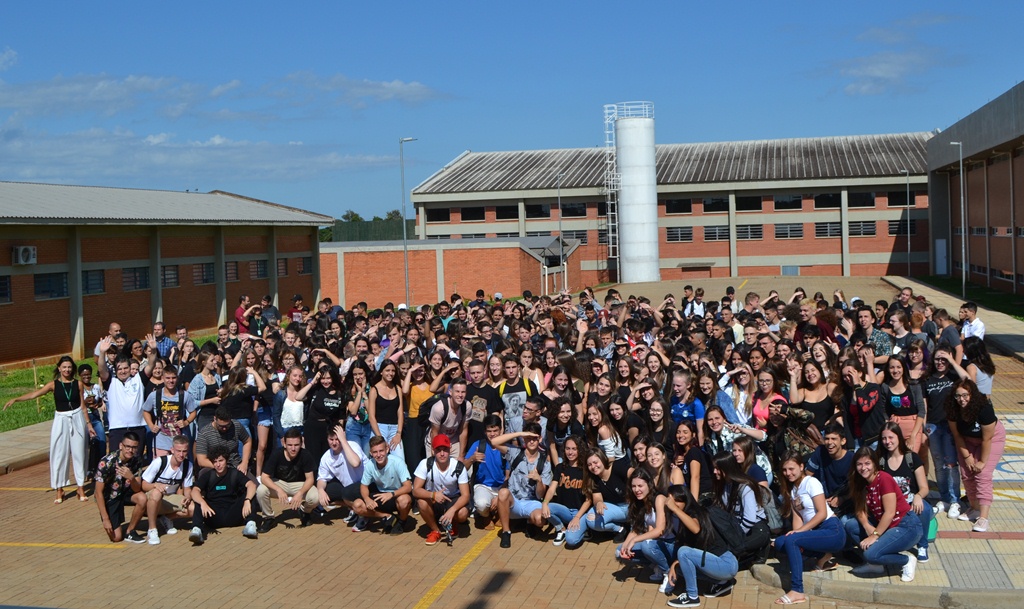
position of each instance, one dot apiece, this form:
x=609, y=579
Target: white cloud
x=224, y=88
x=8, y=58
x=91, y=93
x=360, y=93
x=159, y=138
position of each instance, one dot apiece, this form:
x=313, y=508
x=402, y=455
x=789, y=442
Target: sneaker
x=909, y=569
x=664, y=587
x=657, y=575
x=922, y=555
x=134, y=537
x=969, y=516
x=433, y=537
x=266, y=525
x=954, y=511
x=349, y=518
x=868, y=570
x=360, y=525
x=305, y=519
x=621, y=536
x=388, y=524
x=153, y=537
x=684, y=601
x=250, y=530
x=939, y=507
x=721, y=588
x=397, y=528
x=559, y=538
x=981, y=525
x=506, y=539
x=166, y=524
x=196, y=535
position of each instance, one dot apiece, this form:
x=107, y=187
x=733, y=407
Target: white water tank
x=639, y=260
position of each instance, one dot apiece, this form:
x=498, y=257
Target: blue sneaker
x=922, y=555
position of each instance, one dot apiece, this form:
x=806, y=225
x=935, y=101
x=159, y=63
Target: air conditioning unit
x=23, y=254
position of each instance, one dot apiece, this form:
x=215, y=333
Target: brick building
x=82, y=257
x=809, y=206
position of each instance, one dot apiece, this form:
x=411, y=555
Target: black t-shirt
x=617, y=486
x=936, y=392
x=558, y=434
x=986, y=416
x=482, y=402
x=904, y=474
x=239, y=403
x=280, y=468
x=221, y=490
x=327, y=407
x=695, y=454
x=570, y=486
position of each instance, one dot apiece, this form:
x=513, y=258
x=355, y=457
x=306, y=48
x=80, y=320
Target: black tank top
x=65, y=396
x=387, y=410
x=822, y=410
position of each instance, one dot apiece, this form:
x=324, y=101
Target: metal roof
x=27, y=203
x=856, y=156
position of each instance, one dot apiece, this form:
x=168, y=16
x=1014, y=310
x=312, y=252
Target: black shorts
x=115, y=511
x=336, y=491
x=441, y=508
x=388, y=507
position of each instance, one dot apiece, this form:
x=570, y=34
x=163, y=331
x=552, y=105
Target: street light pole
x=405, y=235
x=910, y=205
x=963, y=225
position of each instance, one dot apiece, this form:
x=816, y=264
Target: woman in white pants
x=69, y=436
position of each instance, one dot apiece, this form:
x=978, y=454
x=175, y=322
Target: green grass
x=1004, y=302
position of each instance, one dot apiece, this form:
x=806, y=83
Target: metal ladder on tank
x=611, y=184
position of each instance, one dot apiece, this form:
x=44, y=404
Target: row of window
x=55, y=285
x=995, y=231
x=719, y=204
x=1000, y=274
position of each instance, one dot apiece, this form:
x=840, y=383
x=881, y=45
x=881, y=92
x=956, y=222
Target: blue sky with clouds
x=303, y=103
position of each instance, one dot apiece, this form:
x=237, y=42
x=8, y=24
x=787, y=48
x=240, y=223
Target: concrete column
x=844, y=226
x=156, y=284
x=75, y=306
x=272, y=286
x=1013, y=227
x=988, y=230
x=522, y=218
x=439, y=260
x=341, y=279
x=421, y=222
x=734, y=263
x=315, y=261
x=220, y=277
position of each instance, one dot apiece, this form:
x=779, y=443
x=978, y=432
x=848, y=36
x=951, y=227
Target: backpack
x=423, y=417
x=519, y=459
x=728, y=529
x=526, y=384
x=186, y=468
x=459, y=468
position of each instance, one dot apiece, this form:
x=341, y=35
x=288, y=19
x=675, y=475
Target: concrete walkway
x=21, y=448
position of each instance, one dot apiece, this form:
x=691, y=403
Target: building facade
x=82, y=257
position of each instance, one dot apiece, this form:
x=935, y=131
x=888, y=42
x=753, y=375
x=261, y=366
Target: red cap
x=441, y=441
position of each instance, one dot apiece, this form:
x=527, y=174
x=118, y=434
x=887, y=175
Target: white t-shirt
x=335, y=466
x=803, y=498
x=444, y=481
x=124, y=402
x=169, y=475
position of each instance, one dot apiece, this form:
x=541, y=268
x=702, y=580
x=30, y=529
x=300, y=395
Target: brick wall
x=379, y=277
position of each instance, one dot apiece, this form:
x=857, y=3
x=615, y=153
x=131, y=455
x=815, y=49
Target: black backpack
x=186, y=468
x=541, y=459
x=459, y=468
x=728, y=529
x=423, y=417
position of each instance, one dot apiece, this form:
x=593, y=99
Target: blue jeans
x=926, y=516
x=390, y=431
x=886, y=551
x=359, y=433
x=827, y=537
x=947, y=469
x=97, y=425
x=694, y=560
x=611, y=521
x=244, y=423
x=654, y=551
x=560, y=518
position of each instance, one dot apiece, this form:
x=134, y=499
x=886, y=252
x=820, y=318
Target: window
x=5, y=289
x=679, y=206
x=827, y=229
x=505, y=235
x=538, y=233
x=1001, y=274
x=714, y=205
x=748, y=203
x=506, y=212
x=430, y=238
x=169, y=276
x=602, y=237
x=538, y=210
x=958, y=230
x=439, y=214
x=202, y=274
x=602, y=209
x=258, y=269
x=579, y=235
x=231, y=271
x=789, y=231
x=93, y=282
x=306, y=265
x=474, y=235
x=472, y=214
x=898, y=228
x=574, y=210
x=898, y=198
x=978, y=231
x=828, y=200
x=749, y=232
x=282, y=267
x=679, y=234
x=862, y=229
x=136, y=278
x=789, y=202
x=51, y=285
x=1020, y=231
x=861, y=199
x=716, y=233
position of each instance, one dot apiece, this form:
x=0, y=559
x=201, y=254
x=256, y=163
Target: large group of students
x=697, y=435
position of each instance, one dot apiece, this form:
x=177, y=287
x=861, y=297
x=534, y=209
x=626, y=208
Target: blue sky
x=303, y=103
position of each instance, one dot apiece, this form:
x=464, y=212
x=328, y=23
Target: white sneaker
x=559, y=538
x=939, y=507
x=250, y=530
x=969, y=516
x=954, y=511
x=909, y=569
x=153, y=537
x=664, y=587
x=981, y=525
x=167, y=524
x=196, y=535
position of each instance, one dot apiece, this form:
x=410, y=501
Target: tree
x=351, y=216
x=326, y=234
x=394, y=214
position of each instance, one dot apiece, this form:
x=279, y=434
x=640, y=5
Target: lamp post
x=561, y=237
x=405, y=236
x=910, y=204
x=963, y=225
